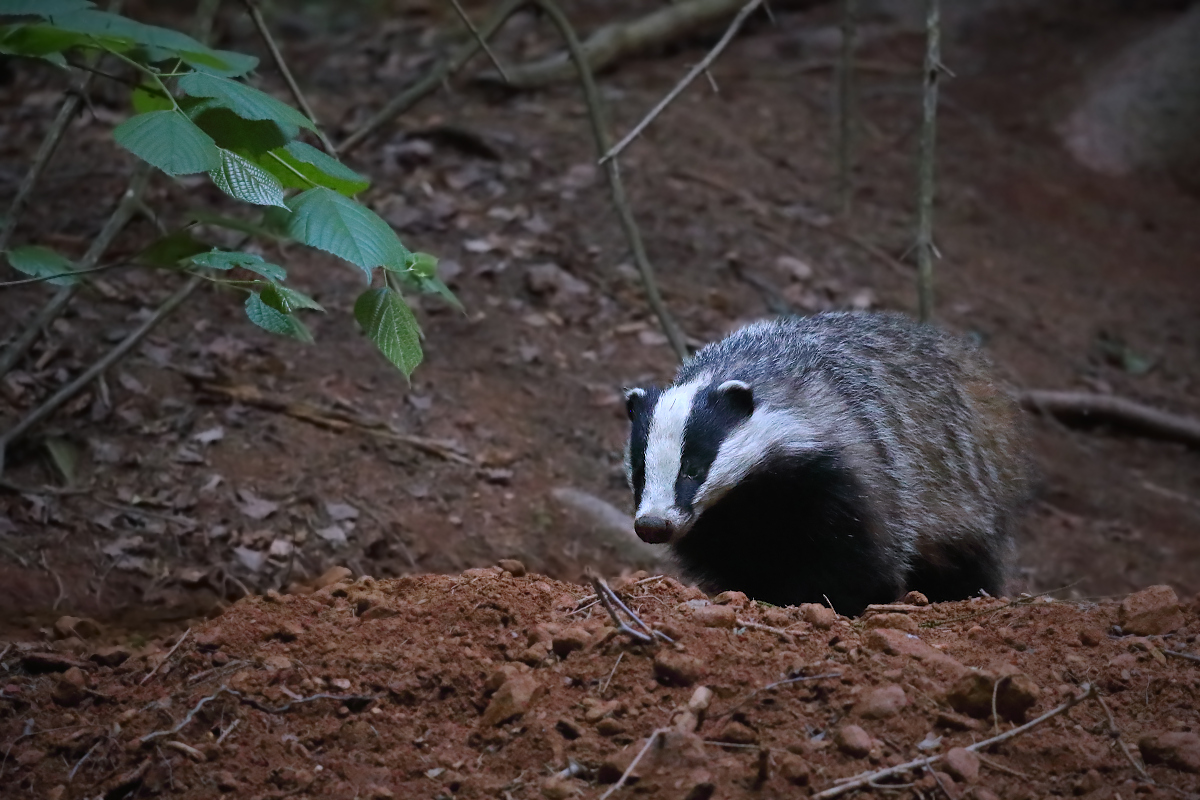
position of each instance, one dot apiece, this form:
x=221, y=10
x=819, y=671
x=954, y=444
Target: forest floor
x=181, y=501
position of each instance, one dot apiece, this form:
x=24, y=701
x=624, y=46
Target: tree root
x=1097, y=408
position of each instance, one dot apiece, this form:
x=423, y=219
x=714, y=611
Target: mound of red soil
x=492, y=685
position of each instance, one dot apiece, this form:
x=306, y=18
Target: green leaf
x=42, y=8
x=246, y=181
x=246, y=101
x=172, y=249
x=275, y=321
x=169, y=141
x=41, y=262
x=146, y=98
x=435, y=286
x=317, y=167
x=234, y=224
x=37, y=41
x=326, y=220
x=225, y=260
x=246, y=137
x=114, y=27
x=423, y=264
x=288, y=300
x=224, y=63
x=389, y=322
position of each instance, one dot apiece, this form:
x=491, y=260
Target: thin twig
x=1115, y=733
x=462, y=14
x=867, y=778
x=996, y=765
x=612, y=612
x=79, y=763
x=756, y=692
x=225, y=733
x=1187, y=656
x=62, y=591
x=165, y=658
x=611, y=672
x=938, y=779
x=695, y=72
x=277, y=56
x=114, y=355
x=187, y=720
x=925, y=247
x=1116, y=411
x=995, y=694
x=784, y=636
x=632, y=764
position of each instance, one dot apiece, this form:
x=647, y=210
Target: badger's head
x=691, y=443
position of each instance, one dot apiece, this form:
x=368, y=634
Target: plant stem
x=925, y=246
x=846, y=105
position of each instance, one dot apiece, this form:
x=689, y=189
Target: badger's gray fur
x=843, y=456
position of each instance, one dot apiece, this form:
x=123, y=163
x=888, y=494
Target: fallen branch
x=332, y=420
x=613, y=42
x=1083, y=406
x=694, y=73
x=868, y=778
x=610, y=601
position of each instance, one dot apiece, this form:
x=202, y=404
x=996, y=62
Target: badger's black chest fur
x=843, y=458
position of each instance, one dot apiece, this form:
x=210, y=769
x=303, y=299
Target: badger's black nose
x=654, y=530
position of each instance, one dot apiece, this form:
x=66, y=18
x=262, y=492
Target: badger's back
x=909, y=478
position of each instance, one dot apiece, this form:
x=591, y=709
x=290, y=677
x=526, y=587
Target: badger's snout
x=654, y=530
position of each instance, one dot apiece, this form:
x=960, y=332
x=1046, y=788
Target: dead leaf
x=339, y=512
x=254, y=506
x=209, y=436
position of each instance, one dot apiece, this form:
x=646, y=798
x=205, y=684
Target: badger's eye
x=692, y=471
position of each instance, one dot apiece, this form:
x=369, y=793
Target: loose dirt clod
x=1151, y=612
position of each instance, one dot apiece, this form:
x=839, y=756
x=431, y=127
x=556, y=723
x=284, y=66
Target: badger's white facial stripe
x=664, y=449
x=768, y=431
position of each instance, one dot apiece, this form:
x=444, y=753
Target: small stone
x=209, y=640
x=379, y=612
x=613, y=767
x=677, y=669
x=377, y=792
x=793, y=768
x=897, y=643
x=947, y=785
x=70, y=690
x=1151, y=612
x=794, y=267
x=899, y=622
x=701, y=697
x=731, y=598
x=512, y=566
x=715, y=616
x=984, y=794
x=703, y=790
x=514, y=697
x=818, y=616
x=882, y=702
x=66, y=627
x=972, y=695
x=56, y=792
x=568, y=641
x=1179, y=751
x=1091, y=637
x=569, y=729
x=601, y=710
x=609, y=727
x=915, y=598
x=735, y=732
x=28, y=756
x=962, y=764
x=556, y=788
x=852, y=740
x=331, y=576
x=226, y=782
x=777, y=618
x=111, y=656
x=975, y=633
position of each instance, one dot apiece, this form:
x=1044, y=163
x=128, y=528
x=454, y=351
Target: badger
x=845, y=457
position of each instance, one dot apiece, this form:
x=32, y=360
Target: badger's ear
x=635, y=399
x=738, y=394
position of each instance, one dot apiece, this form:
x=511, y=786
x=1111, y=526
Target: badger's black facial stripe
x=640, y=405
x=715, y=413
